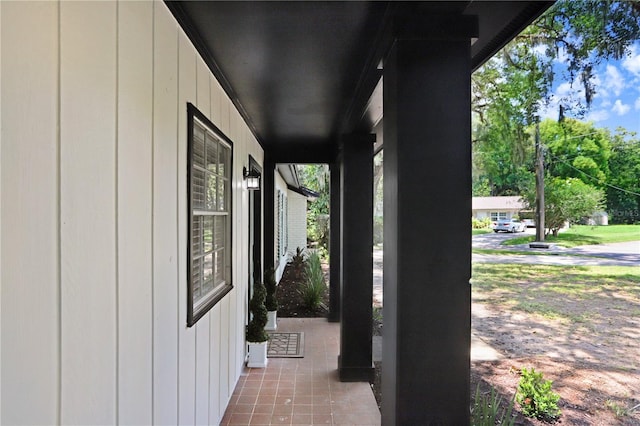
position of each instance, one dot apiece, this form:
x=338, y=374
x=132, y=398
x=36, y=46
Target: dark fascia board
x=176, y=8
x=303, y=191
x=527, y=15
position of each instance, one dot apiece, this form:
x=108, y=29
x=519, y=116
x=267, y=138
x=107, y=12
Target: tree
x=316, y=177
x=567, y=200
x=509, y=90
x=577, y=149
x=623, y=189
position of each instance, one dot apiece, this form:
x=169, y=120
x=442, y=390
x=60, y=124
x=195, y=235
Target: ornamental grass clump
x=298, y=263
x=313, y=287
x=487, y=410
x=259, y=317
x=536, y=397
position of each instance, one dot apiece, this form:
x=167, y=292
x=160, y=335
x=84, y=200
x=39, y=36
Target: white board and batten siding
x=297, y=217
x=93, y=147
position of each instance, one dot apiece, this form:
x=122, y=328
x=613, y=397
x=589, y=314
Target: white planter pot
x=257, y=354
x=272, y=321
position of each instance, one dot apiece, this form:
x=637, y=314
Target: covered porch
x=330, y=82
x=303, y=391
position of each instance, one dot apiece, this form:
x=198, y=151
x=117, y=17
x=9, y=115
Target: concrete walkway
x=614, y=254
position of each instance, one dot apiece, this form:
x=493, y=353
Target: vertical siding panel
x=217, y=98
x=135, y=61
x=224, y=351
x=29, y=335
x=215, y=414
x=215, y=407
x=165, y=285
x=1, y=240
x=231, y=343
x=240, y=247
x=187, y=336
x=222, y=109
x=88, y=95
x=202, y=326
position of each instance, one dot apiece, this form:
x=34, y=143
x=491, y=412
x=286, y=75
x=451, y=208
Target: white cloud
x=632, y=62
x=549, y=110
x=564, y=89
x=598, y=115
x=614, y=80
x=620, y=108
x=562, y=57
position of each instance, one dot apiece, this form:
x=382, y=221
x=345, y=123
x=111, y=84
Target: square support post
x=355, y=361
x=334, y=244
x=268, y=179
x=427, y=239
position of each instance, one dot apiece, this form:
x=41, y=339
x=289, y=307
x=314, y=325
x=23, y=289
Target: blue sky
x=617, y=99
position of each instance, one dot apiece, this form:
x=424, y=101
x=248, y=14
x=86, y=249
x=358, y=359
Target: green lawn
x=563, y=292
x=579, y=235
x=481, y=231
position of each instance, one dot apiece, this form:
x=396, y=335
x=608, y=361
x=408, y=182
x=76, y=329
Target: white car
x=509, y=225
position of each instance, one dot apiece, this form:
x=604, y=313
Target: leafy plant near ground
x=536, y=397
x=313, y=288
x=259, y=318
x=487, y=410
x=617, y=409
x=271, y=302
x=297, y=262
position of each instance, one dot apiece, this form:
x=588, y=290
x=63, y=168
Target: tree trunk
x=539, y=187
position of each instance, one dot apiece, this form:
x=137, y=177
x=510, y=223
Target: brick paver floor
x=302, y=391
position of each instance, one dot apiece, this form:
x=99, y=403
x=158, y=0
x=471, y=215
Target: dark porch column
x=355, y=361
x=334, y=244
x=427, y=241
x=268, y=182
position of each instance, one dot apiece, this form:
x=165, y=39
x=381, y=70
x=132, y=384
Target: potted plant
x=257, y=338
x=271, y=300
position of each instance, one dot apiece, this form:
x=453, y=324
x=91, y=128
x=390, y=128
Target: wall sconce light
x=253, y=179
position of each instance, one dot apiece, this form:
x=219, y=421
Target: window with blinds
x=281, y=232
x=209, y=248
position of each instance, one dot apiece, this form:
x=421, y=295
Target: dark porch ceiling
x=303, y=73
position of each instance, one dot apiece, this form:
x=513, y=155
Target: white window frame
x=282, y=230
x=495, y=216
x=209, y=172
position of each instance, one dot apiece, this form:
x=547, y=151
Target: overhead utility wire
x=595, y=178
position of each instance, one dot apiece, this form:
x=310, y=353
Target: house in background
x=129, y=236
x=290, y=212
x=496, y=208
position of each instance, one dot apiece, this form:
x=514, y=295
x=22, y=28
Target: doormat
x=286, y=345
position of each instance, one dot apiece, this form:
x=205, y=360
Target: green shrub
x=314, y=287
x=536, y=397
x=487, y=411
x=271, y=302
x=480, y=224
x=259, y=317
